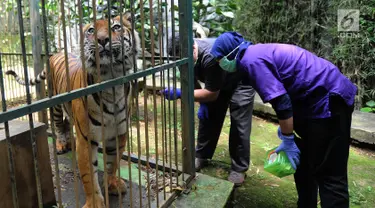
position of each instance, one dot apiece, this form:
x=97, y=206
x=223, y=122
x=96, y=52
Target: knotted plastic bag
x=278, y=164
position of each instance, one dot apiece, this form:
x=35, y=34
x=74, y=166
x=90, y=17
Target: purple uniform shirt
x=276, y=69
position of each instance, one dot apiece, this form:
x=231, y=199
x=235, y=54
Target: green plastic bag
x=278, y=164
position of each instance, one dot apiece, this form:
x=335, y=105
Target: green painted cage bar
x=66, y=97
x=185, y=169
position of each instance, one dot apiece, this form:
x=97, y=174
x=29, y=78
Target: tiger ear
x=127, y=19
x=86, y=27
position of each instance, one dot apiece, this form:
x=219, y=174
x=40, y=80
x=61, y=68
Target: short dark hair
x=176, y=44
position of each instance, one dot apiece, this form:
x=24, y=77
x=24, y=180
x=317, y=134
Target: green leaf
x=369, y=188
x=147, y=27
x=218, y=10
x=371, y=103
x=366, y=110
x=218, y=29
x=228, y=14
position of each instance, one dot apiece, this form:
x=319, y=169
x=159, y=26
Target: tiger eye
x=116, y=27
x=91, y=30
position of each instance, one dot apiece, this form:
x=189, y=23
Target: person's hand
x=203, y=111
x=169, y=93
x=289, y=147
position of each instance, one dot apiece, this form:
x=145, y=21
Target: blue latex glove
x=289, y=147
x=169, y=93
x=203, y=111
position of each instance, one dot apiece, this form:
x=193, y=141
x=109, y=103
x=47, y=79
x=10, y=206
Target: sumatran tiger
x=88, y=122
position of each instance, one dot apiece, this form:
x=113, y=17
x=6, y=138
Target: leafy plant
x=217, y=15
x=313, y=25
x=370, y=107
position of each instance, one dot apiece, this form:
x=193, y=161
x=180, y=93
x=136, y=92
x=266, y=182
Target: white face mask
x=229, y=65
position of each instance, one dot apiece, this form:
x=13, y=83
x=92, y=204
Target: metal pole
x=50, y=94
x=9, y=145
x=28, y=98
x=37, y=54
x=187, y=86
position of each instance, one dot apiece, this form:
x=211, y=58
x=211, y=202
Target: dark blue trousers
x=240, y=102
x=324, y=146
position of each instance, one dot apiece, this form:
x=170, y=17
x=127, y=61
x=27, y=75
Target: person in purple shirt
x=314, y=103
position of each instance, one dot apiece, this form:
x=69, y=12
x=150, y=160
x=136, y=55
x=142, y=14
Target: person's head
x=225, y=49
x=177, y=46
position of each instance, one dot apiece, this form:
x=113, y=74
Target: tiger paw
x=63, y=146
x=114, y=184
x=99, y=202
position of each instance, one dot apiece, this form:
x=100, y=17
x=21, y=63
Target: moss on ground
x=262, y=189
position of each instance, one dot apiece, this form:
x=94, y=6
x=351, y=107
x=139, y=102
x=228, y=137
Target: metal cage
x=158, y=161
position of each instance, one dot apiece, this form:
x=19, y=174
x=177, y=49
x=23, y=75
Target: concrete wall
x=363, y=124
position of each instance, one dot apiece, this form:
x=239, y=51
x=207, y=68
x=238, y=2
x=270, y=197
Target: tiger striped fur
x=88, y=122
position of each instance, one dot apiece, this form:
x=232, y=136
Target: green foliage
x=370, y=107
x=53, y=9
x=313, y=25
x=356, y=195
x=217, y=15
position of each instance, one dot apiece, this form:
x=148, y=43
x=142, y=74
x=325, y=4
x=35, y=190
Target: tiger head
x=110, y=47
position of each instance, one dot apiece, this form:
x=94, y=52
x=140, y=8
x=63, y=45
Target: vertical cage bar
x=50, y=94
x=139, y=144
x=145, y=107
x=114, y=104
x=167, y=106
x=129, y=129
x=59, y=32
x=13, y=89
x=130, y=168
x=162, y=101
x=127, y=107
x=35, y=23
x=146, y=97
x=164, y=131
x=136, y=91
x=74, y=161
x=9, y=145
x=174, y=85
x=70, y=30
x=89, y=141
x=119, y=154
x=28, y=98
x=97, y=61
x=187, y=86
x=130, y=146
x=77, y=23
x=127, y=111
x=168, y=140
x=19, y=89
x=156, y=141
x=169, y=103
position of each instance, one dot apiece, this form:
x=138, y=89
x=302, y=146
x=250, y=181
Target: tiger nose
x=103, y=41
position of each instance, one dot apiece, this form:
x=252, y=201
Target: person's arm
x=214, y=79
x=204, y=95
x=286, y=126
x=284, y=112
x=264, y=75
